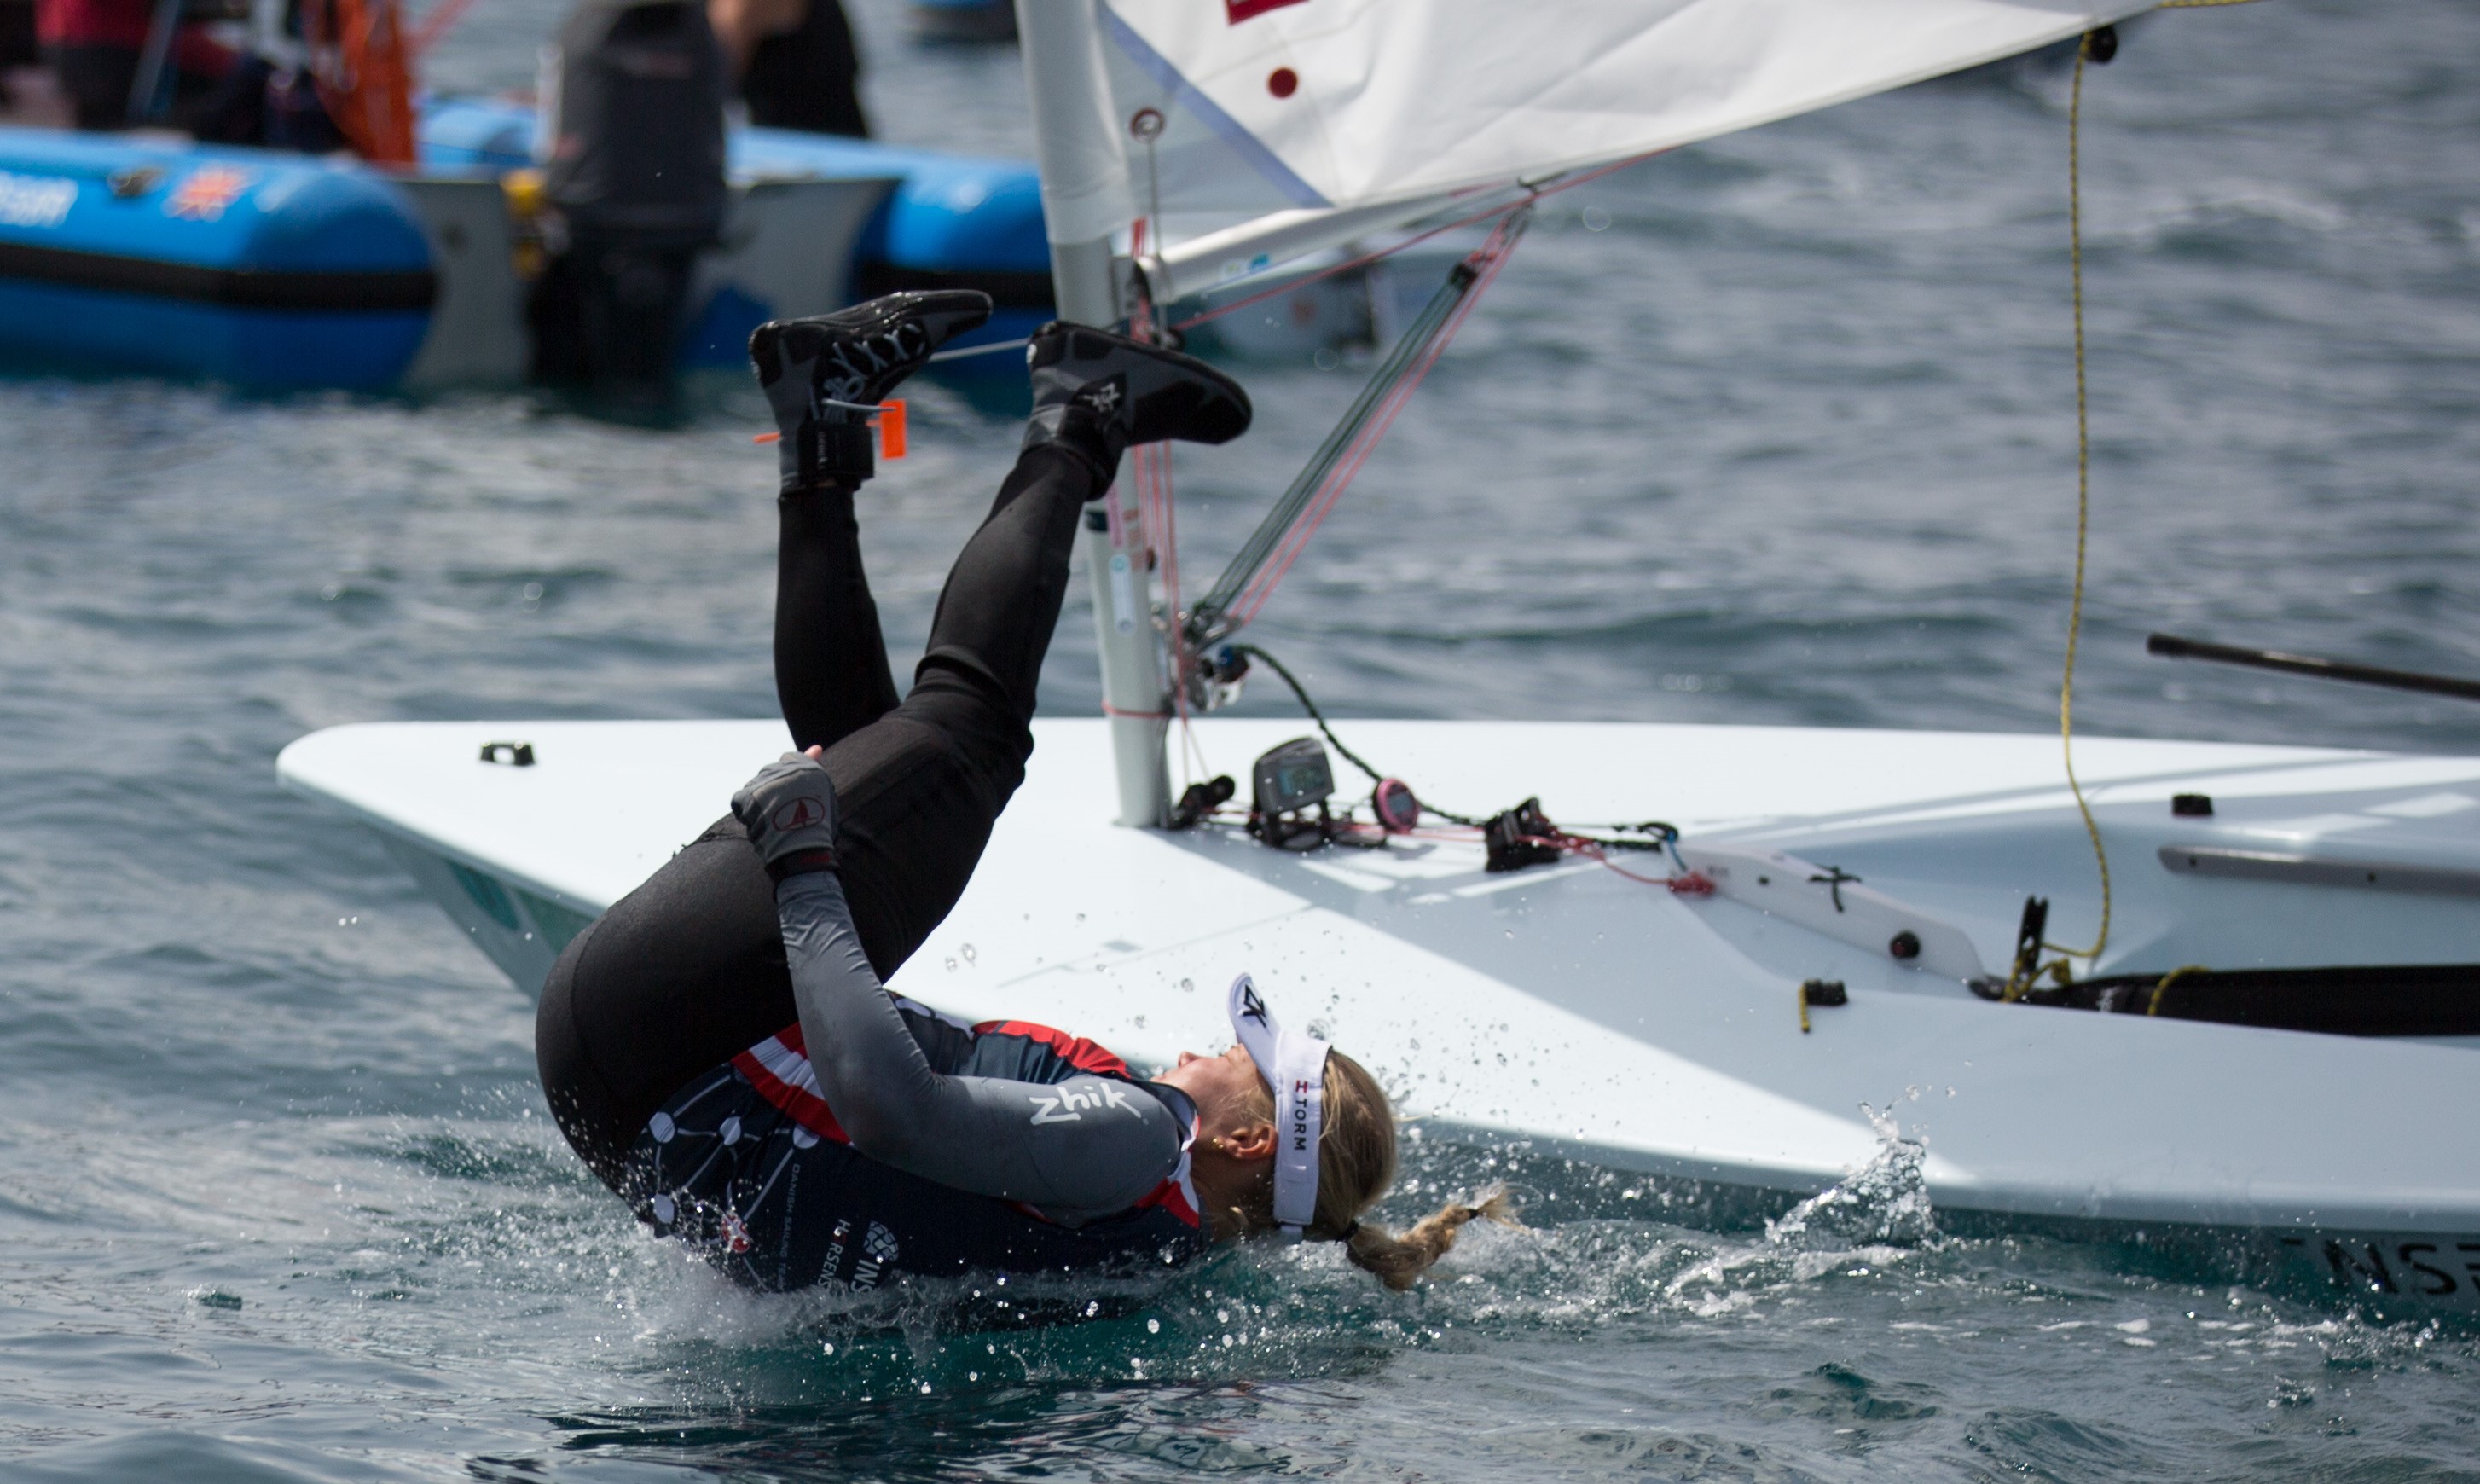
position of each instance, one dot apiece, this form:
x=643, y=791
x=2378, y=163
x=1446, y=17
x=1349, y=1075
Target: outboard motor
x=633, y=110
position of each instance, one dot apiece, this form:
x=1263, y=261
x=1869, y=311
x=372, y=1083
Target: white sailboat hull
x=1599, y=1017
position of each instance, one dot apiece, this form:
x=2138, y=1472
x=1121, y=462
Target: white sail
x=1275, y=105
x=1310, y=122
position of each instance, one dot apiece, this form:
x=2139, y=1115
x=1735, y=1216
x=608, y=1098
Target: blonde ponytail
x=1356, y=1164
x=1400, y=1261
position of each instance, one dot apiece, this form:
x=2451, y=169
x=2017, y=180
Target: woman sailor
x=719, y=1048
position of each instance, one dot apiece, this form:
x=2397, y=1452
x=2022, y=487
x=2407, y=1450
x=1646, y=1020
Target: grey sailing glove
x=789, y=811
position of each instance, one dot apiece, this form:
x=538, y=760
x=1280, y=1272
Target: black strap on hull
x=2377, y=1000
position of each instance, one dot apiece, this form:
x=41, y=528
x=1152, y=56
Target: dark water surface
x=1774, y=430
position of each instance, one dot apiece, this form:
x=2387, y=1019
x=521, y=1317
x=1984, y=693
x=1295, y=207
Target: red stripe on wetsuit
x=778, y=1068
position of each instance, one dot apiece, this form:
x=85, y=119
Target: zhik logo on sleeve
x=1065, y=1107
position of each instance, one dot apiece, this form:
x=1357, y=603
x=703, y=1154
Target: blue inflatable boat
x=243, y=265
x=123, y=254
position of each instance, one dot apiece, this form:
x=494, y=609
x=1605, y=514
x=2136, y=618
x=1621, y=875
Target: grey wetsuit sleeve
x=1089, y=1146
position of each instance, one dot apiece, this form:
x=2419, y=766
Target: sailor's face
x=1219, y=1084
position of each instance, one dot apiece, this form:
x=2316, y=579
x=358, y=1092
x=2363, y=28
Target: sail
x=1248, y=107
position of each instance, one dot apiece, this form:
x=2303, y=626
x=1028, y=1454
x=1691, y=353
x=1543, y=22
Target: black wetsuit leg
x=831, y=674
x=687, y=971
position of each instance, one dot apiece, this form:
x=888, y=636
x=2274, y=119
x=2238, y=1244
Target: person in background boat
x=30, y=95
x=315, y=77
x=95, y=48
x=793, y=63
x=718, y=1047
x=634, y=176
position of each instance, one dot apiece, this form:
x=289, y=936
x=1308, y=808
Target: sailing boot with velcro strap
x=1095, y=394
x=824, y=376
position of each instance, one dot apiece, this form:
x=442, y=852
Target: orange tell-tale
x=888, y=421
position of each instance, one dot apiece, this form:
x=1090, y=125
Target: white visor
x=1294, y=1067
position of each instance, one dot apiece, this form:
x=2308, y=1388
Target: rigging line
x=2153, y=1003
x=1345, y=266
x=1296, y=540
x=1163, y=524
x=1531, y=194
x=1468, y=832
x=2084, y=500
x=1152, y=471
x=993, y=349
x=1598, y=854
x=1162, y=541
x=1302, y=693
x=1296, y=537
x=1168, y=542
x=1242, y=589
x=1158, y=506
x=1260, y=545
x=1491, y=258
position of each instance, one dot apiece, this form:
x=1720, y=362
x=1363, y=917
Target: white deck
x=1568, y=1006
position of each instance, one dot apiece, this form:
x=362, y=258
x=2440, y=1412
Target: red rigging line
x=1150, y=467
x=1486, y=260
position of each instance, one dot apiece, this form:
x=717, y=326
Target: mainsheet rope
x=2084, y=508
x=2097, y=47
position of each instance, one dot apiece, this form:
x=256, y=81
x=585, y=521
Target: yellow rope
x=2084, y=497
x=2153, y=1006
x=2021, y=982
x=2024, y=974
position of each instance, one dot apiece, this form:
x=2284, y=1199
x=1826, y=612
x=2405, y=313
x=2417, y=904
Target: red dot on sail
x=1283, y=82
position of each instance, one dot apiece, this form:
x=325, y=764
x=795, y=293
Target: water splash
x=1872, y=1219
x=1884, y=1200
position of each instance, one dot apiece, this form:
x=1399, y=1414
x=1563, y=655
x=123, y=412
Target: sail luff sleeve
x=1076, y=128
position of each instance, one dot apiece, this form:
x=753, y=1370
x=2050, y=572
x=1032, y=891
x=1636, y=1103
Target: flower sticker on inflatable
x=207, y=193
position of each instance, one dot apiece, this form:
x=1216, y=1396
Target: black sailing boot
x=1096, y=393
x=855, y=356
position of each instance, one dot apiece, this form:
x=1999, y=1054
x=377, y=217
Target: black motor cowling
x=635, y=173
x=636, y=128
